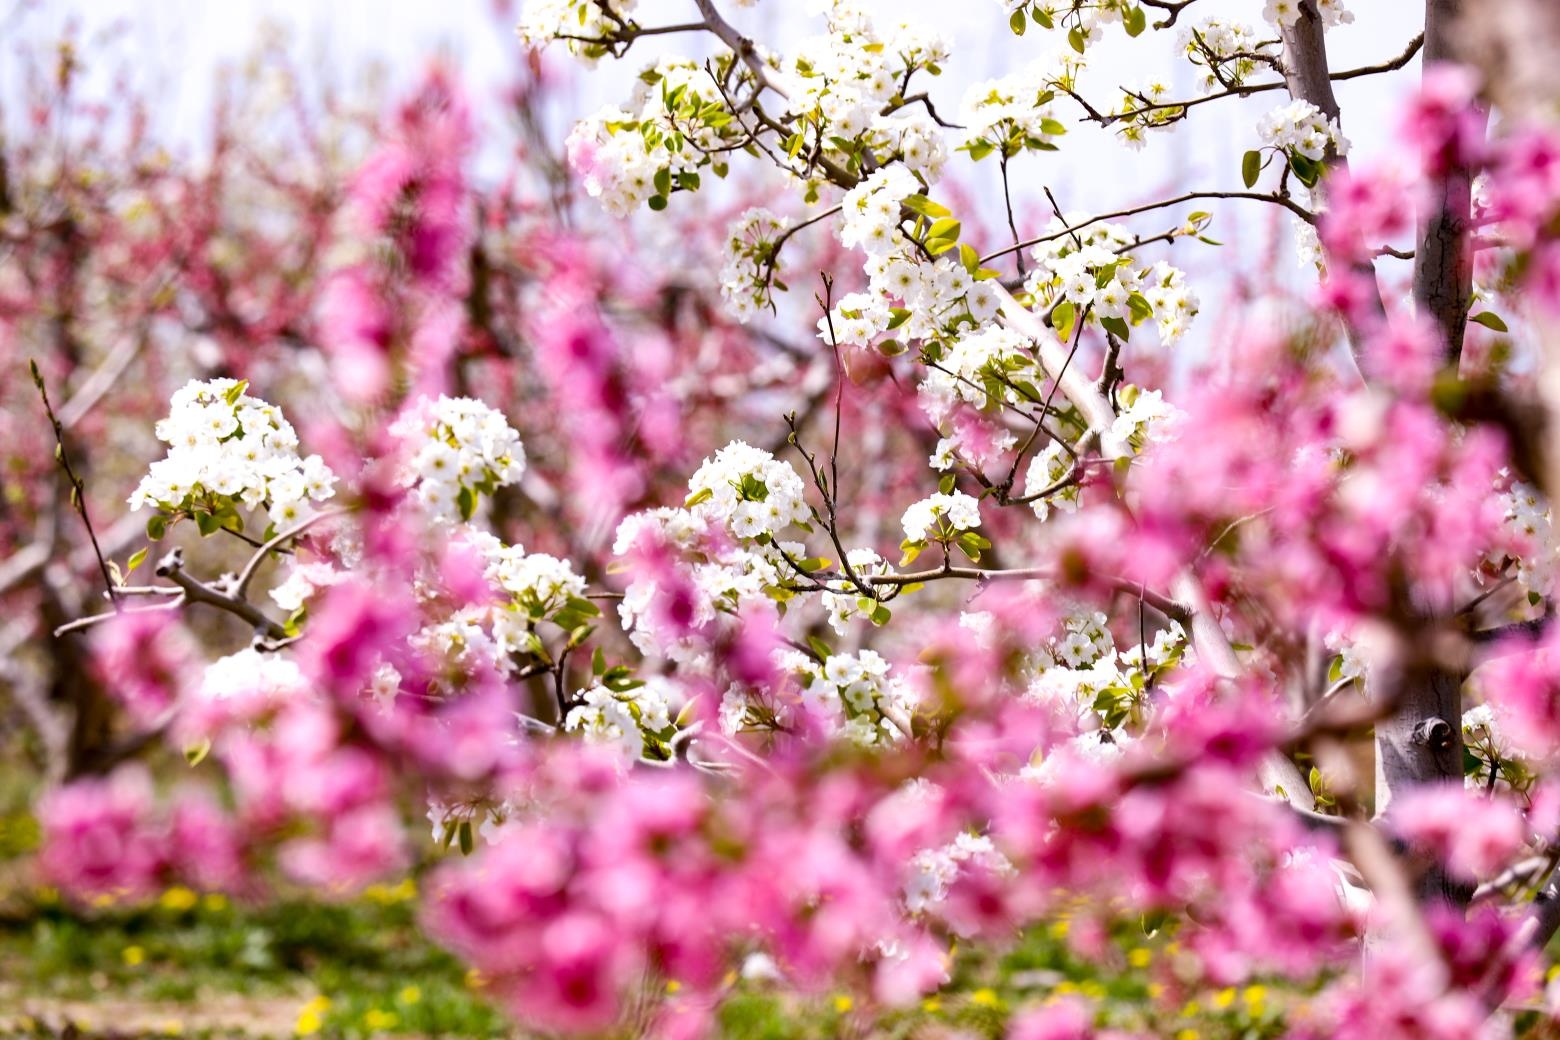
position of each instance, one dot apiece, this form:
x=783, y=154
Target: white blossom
x=940, y=513
x=1300, y=128
x=230, y=450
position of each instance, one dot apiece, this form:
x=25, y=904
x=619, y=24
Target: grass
x=195, y=965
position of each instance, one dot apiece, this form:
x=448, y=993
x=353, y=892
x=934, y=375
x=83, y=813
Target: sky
x=180, y=44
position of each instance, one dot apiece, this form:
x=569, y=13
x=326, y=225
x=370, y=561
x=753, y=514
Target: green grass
x=366, y=958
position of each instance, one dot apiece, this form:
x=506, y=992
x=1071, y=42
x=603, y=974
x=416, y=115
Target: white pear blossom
x=746, y=275
x=854, y=695
x=1285, y=13
x=939, y=514
x=458, y=448
x=1300, y=128
x=230, y=450
x=934, y=871
x=1147, y=419
x=843, y=601
x=636, y=722
x=749, y=491
x=1047, y=468
x=249, y=672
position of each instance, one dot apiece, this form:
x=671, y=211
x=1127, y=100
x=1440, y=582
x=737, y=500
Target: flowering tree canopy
x=811, y=585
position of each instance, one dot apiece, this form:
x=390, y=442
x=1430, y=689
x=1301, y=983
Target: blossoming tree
x=996, y=628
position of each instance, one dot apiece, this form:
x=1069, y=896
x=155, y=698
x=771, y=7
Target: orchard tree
x=997, y=630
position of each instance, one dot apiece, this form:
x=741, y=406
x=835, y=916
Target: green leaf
x=1116, y=327
x=946, y=483
x=1075, y=38
x=1053, y=127
x=207, y=524
x=235, y=391
x=136, y=559
x=980, y=149
x=701, y=495
x=1043, y=19
x=196, y=753
x=1135, y=21
x=947, y=228
x=467, y=841
x=467, y=502
x=657, y=202
x=925, y=207
x=663, y=181
x=1307, y=170
x=157, y=527
x=819, y=648
x=1017, y=22
x=1062, y=319
x=1141, y=309
x=1490, y=320
x=881, y=615
x=598, y=662
x=1251, y=168
x=969, y=258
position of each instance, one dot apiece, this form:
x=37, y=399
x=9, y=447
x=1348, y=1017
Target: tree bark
x=1308, y=77
x=1443, y=262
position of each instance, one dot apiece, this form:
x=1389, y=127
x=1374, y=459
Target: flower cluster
x=1050, y=467
x=854, y=695
x=107, y=840
x=934, y=871
x=749, y=491
x=844, y=80
x=228, y=451
x=1089, y=274
x=635, y=718
x=915, y=299
x=1145, y=108
x=1284, y=13
x=1013, y=114
x=869, y=213
x=940, y=517
x=1227, y=49
x=1299, y=128
x=688, y=574
x=844, y=601
x=585, y=26
x=674, y=122
x=991, y=366
x=1147, y=418
x=747, y=276
x=1527, y=518
x=460, y=449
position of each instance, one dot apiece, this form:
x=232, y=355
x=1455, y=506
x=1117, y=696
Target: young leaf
x=925, y=207
x=947, y=228
x=1017, y=22
x=1251, y=167
x=1062, y=319
x=1490, y=320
